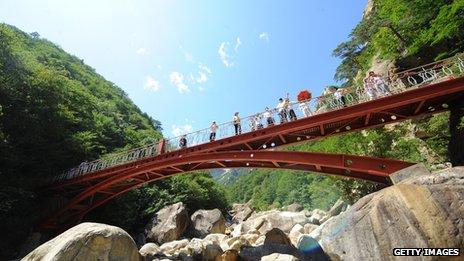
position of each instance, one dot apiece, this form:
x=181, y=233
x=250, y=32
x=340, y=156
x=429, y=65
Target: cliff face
x=369, y=8
x=423, y=211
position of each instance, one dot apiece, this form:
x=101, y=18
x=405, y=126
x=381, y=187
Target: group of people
x=374, y=86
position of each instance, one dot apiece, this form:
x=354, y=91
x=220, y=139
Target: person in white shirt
x=281, y=110
x=369, y=86
x=237, y=125
x=381, y=85
x=289, y=109
x=268, y=116
x=213, y=129
x=338, y=94
x=304, y=109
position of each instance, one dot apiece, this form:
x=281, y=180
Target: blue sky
x=186, y=63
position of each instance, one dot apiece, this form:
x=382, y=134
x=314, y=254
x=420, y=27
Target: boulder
x=295, y=233
x=421, y=211
x=173, y=246
x=265, y=221
x=149, y=251
x=256, y=253
x=260, y=240
x=316, y=216
x=337, y=208
x=279, y=257
x=229, y=255
x=236, y=243
x=216, y=238
x=308, y=228
x=88, y=241
x=195, y=247
x=211, y=252
x=168, y=224
x=276, y=236
x=295, y=207
x=241, y=212
x=205, y=222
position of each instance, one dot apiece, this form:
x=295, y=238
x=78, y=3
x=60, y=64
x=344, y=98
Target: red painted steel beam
x=411, y=97
x=336, y=164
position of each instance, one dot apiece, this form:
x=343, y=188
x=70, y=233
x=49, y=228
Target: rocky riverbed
x=421, y=211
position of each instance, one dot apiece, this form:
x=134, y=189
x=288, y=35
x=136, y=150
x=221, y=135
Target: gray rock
x=205, y=222
x=149, y=251
x=229, y=255
x=265, y=221
x=168, y=224
x=308, y=228
x=422, y=211
x=295, y=233
x=241, y=212
x=211, y=252
x=88, y=241
x=295, y=207
x=277, y=236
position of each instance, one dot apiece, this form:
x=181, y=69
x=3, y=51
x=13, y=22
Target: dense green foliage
x=278, y=188
x=56, y=112
x=411, y=32
x=132, y=211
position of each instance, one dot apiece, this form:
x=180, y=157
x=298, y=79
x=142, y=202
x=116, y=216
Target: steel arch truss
x=91, y=195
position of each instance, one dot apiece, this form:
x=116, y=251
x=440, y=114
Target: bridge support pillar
x=456, y=125
x=412, y=171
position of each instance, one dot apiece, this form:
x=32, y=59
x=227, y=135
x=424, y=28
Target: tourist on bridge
x=289, y=109
x=257, y=121
x=381, y=85
x=338, y=94
x=281, y=109
x=183, y=142
x=303, y=98
x=213, y=129
x=369, y=86
x=237, y=124
x=268, y=116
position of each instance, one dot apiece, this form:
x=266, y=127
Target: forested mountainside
x=393, y=35
x=55, y=112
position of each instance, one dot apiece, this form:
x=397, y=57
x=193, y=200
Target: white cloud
x=204, y=68
x=201, y=89
x=152, y=84
x=264, y=36
x=182, y=129
x=223, y=54
x=141, y=51
x=202, y=78
x=177, y=79
x=203, y=73
x=237, y=43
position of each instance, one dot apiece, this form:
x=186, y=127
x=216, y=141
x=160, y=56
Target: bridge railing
x=332, y=100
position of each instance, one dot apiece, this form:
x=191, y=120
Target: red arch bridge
x=406, y=95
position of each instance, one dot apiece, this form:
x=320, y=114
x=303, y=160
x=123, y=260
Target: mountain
x=55, y=112
x=227, y=177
